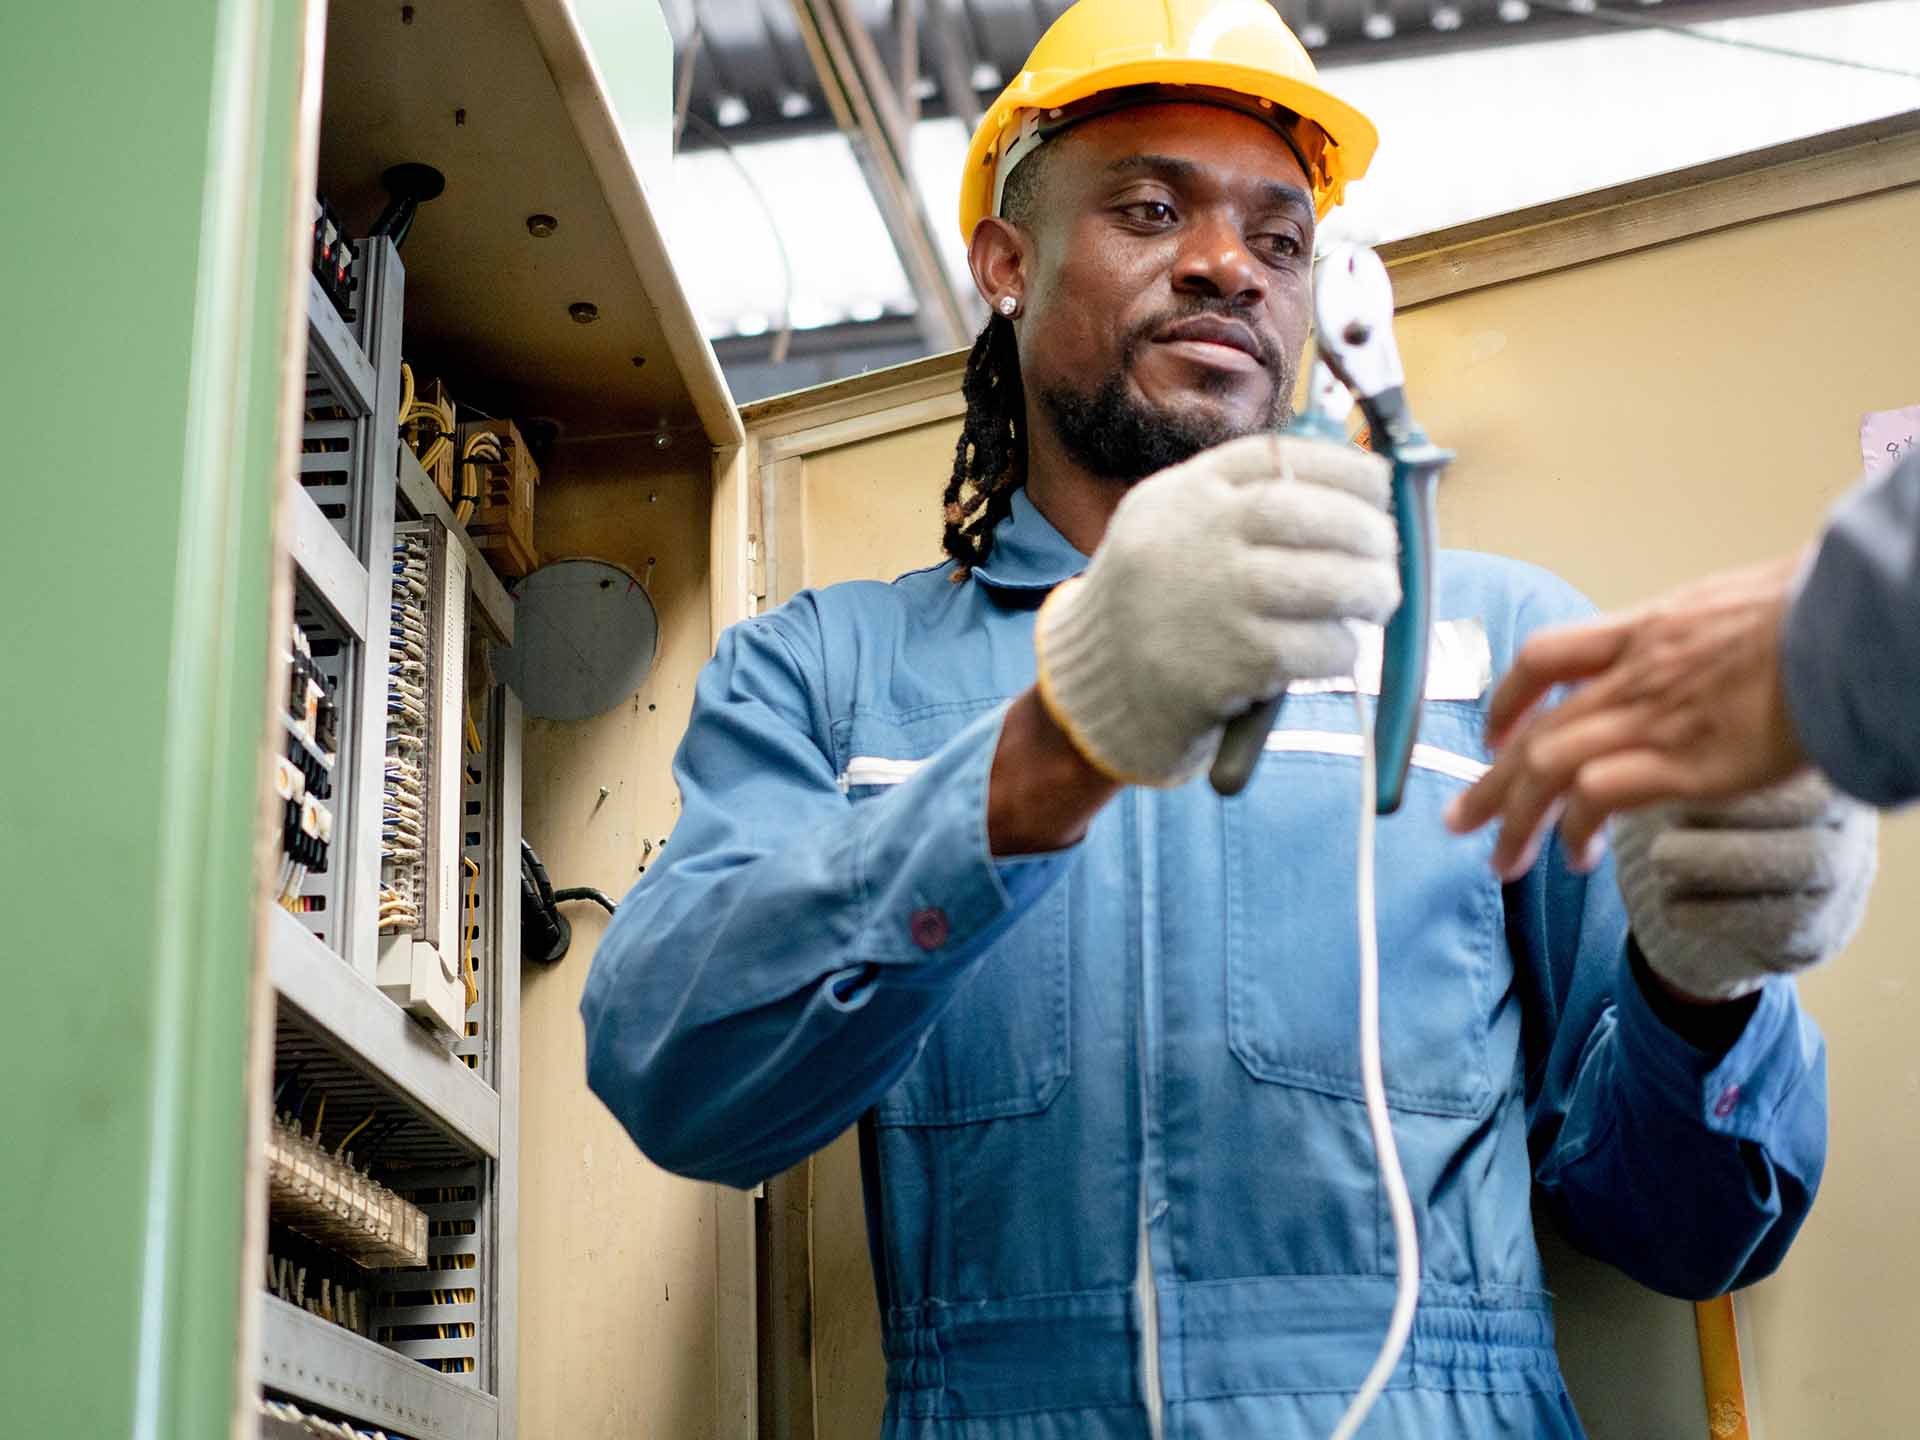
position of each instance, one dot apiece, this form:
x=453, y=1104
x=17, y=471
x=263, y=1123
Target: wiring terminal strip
x=328, y=1297
x=403, y=822
x=294, y=1421
x=323, y=1195
x=303, y=773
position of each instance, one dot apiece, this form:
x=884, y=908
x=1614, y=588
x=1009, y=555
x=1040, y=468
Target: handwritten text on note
x=1888, y=436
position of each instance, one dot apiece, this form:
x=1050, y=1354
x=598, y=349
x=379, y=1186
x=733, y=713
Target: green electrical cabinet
x=151, y=194
x=178, y=393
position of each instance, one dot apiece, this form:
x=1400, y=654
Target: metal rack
x=310, y=1359
x=446, y=1113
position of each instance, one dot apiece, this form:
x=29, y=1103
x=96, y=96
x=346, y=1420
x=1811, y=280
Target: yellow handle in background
x=1720, y=1370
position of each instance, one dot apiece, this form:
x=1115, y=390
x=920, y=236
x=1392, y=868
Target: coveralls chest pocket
x=1001, y=1048
x=1293, y=938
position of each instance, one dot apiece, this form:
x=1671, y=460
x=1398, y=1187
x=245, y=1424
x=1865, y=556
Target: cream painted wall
x=1628, y=423
x=1633, y=423
x=617, y=1259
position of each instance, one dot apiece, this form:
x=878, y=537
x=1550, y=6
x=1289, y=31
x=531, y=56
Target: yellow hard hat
x=1232, y=51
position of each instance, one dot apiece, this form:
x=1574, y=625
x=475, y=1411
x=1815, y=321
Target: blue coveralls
x=1144, y=1046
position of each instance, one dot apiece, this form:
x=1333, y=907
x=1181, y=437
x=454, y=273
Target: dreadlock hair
x=990, y=458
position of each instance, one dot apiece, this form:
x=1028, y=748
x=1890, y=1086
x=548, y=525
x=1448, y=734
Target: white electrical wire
x=1406, y=1290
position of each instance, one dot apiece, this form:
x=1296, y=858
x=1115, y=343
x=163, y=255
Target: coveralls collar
x=1028, y=553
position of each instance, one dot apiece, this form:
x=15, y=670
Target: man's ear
x=998, y=257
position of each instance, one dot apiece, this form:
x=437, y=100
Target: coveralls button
x=1729, y=1098
x=929, y=928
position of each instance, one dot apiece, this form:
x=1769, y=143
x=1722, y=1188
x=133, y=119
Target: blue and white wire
x=1406, y=1289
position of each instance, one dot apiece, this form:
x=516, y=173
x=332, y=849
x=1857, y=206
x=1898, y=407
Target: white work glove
x=1220, y=580
x=1723, y=895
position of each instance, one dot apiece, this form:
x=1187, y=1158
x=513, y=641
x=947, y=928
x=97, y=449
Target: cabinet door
x=151, y=271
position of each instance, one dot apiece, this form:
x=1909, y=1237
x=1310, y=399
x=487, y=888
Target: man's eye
x=1281, y=243
x=1153, y=212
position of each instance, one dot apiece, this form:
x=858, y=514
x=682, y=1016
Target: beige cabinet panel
x=626, y=1332
x=874, y=507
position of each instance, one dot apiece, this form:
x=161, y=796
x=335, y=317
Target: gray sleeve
x=1851, y=642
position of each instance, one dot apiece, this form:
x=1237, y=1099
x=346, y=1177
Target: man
x=1733, y=683
x=944, y=869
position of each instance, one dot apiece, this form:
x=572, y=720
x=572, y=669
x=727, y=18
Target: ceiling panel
x=751, y=56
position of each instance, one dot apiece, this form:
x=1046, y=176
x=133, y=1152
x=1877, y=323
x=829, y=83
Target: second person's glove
x=1723, y=895
x=1220, y=580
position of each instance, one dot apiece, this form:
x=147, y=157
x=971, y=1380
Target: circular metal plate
x=584, y=637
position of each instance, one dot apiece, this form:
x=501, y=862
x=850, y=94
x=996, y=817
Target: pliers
x=1353, y=321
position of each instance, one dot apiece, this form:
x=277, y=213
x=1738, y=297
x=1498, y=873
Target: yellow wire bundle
x=415, y=411
x=482, y=447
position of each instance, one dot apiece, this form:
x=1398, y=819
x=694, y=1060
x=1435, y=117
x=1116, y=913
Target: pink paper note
x=1888, y=436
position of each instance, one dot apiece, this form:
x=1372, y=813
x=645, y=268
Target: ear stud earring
x=1008, y=305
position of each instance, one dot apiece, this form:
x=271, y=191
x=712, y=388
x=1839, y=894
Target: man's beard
x=1113, y=433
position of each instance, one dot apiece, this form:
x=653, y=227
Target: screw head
x=541, y=226
x=584, y=312
x=662, y=440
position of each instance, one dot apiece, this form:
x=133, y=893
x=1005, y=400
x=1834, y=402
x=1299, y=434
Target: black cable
x=584, y=892
x=376, y=1142
x=683, y=83
x=545, y=934
x=1631, y=21
x=464, y=465
x=300, y=1106
x=777, y=353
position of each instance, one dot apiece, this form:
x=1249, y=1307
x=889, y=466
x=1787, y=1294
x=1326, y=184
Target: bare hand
x=1681, y=700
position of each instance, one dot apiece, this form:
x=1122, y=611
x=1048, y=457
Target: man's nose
x=1214, y=261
